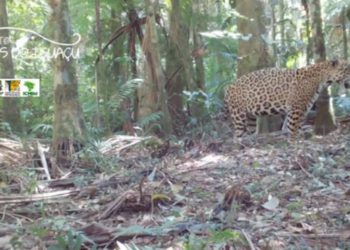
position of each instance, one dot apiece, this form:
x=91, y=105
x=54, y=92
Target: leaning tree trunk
x=152, y=94
x=11, y=109
x=69, y=126
x=324, y=121
x=254, y=52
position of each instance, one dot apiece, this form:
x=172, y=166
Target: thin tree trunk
x=119, y=76
x=345, y=37
x=197, y=109
x=317, y=32
x=308, y=33
x=69, y=127
x=132, y=15
x=11, y=108
x=219, y=11
x=273, y=26
x=199, y=62
x=99, y=67
x=282, y=59
x=324, y=121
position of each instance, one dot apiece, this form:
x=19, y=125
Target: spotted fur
x=281, y=91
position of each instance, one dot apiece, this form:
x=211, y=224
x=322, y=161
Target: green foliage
x=218, y=31
x=334, y=7
x=5, y=128
x=71, y=241
x=226, y=235
x=194, y=243
x=42, y=130
x=219, y=68
x=92, y=157
x=151, y=122
x=218, y=240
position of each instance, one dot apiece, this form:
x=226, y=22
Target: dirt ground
x=189, y=194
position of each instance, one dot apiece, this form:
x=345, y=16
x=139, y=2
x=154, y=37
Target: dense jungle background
x=128, y=146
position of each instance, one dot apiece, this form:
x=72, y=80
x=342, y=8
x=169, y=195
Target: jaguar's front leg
x=294, y=118
x=239, y=118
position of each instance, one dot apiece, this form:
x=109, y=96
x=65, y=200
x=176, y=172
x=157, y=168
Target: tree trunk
x=283, y=51
x=197, y=109
x=324, y=121
x=69, y=127
x=308, y=35
x=345, y=37
x=99, y=75
x=254, y=52
x=273, y=27
x=11, y=108
x=119, y=77
x=177, y=64
x=152, y=94
x=132, y=15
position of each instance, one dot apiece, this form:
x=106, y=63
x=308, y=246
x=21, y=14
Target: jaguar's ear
x=334, y=62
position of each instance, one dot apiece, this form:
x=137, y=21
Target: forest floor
x=193, y=194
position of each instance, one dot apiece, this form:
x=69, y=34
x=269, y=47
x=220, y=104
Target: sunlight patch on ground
x=203, y=162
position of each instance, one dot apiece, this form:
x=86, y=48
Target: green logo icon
x=30, y=86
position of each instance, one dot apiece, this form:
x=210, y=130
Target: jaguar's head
x=339, y=72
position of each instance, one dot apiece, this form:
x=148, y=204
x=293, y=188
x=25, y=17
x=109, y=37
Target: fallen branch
x=304, y=170
x=118, y=143
x=343, y=235
x=114, y=206
x=43, y=161
x=37, y=197
x=249, y=240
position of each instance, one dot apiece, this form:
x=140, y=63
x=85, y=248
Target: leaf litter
x=190, y=194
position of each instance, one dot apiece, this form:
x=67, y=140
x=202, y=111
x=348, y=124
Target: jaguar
x=272, y=91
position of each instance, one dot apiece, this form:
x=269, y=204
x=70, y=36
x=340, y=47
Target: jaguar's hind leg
x=251, y=125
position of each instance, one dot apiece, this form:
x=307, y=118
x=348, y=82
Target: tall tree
x=119, y=73
x=199, y=11
x=324, y=121
x=343, y=20
x=254, y=52
x=272, y=5
x=69, y=127
x=282, y=26
x=99, y=66
x=11, y=108
x=177, y=65
x=135, y=33
x=152, y=94
x=308, y=33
